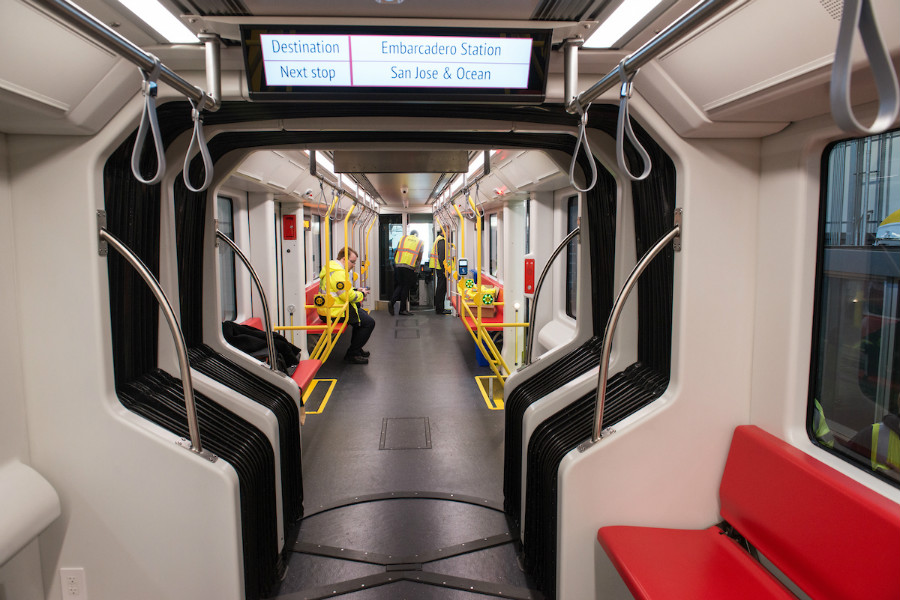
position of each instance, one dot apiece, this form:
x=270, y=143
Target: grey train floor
x=403, y=467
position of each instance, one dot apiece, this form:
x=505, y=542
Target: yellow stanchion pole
x=365, y=268
x=346, y=244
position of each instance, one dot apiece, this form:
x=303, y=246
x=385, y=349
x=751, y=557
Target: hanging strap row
x=149, y=120
x=623, y=127
x=152, y=72
x=582, y=139
x=858, y=15
x=199, y=139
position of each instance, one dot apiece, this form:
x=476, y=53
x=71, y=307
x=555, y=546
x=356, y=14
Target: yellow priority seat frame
x=484, y=295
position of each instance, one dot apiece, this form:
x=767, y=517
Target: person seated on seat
x=335, y=281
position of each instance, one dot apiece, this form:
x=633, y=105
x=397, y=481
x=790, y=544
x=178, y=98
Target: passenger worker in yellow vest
x=335, y=281
x=436, y=263
x=406, y=261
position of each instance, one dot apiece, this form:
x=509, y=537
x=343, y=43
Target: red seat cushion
x=676, y=564
x=305, y=372
x=254, y=322
x=832, y=536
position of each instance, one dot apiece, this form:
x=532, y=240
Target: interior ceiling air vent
x=213, y=8
x=833, y=8
x=568, y=10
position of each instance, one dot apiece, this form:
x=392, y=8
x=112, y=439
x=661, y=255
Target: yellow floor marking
x=309, y=390
x=495, y=401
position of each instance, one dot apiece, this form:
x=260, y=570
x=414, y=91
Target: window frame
x=818, y=349
x=570, y=300
x=225, y=251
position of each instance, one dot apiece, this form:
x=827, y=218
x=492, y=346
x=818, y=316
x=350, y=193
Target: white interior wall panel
x=710, y=379
x=79, y=431
x=20, y=575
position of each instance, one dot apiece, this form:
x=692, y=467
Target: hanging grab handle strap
x=858, y=14
x=623, y=128
x=149, y=88
x=582, y=139
x=198, y=139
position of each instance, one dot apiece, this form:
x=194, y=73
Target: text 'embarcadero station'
x=395, y=61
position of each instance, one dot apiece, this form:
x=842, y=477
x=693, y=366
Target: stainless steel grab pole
x=614, y=319
x=177, y=335
x=267, y=323
x=98, y=31
x=661, y=42
x=537, y=290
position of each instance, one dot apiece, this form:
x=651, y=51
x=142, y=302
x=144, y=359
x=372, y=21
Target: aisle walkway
x=412, y=424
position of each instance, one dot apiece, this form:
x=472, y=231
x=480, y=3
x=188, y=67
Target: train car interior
x=408, y=299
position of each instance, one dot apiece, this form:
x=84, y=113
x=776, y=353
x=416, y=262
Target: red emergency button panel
x=289, y=227
x=529, y=275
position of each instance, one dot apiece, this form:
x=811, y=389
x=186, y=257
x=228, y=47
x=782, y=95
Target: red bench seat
x=305, y=372
x=254, y=322
x=830, y=535
x=675, y=564
x=306, y=369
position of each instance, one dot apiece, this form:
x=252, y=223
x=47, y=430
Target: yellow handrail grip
x=493, y=354
x=322, y=349
x=462, y=233
x=327, y=254
x=346, y=244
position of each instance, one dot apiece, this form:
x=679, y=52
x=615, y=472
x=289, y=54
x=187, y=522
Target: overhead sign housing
x=396, y=64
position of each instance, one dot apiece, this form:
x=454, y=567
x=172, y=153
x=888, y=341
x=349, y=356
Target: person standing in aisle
x=406, y=261
x=436, y=262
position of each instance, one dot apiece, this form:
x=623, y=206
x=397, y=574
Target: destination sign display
x=392, y=65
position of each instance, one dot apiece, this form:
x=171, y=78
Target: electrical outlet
x=74, y=584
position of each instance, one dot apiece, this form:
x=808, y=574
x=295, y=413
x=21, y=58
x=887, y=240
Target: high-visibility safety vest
x=435, y=261
x=885, y=448
x=408, y=250
x=337, y=289
x=820, y=427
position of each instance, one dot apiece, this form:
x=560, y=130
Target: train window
x=855, y=373
x=315, y=246
x=571, y=257
x=422, y=225
x=492, y=244
x=227, y=286
x=528, y=225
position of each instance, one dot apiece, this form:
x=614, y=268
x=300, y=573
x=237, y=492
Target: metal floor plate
x=366, y=536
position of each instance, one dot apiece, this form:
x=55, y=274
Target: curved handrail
x=267, y=323
x=177, y=336
x=613, y=320
x=537, y=291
